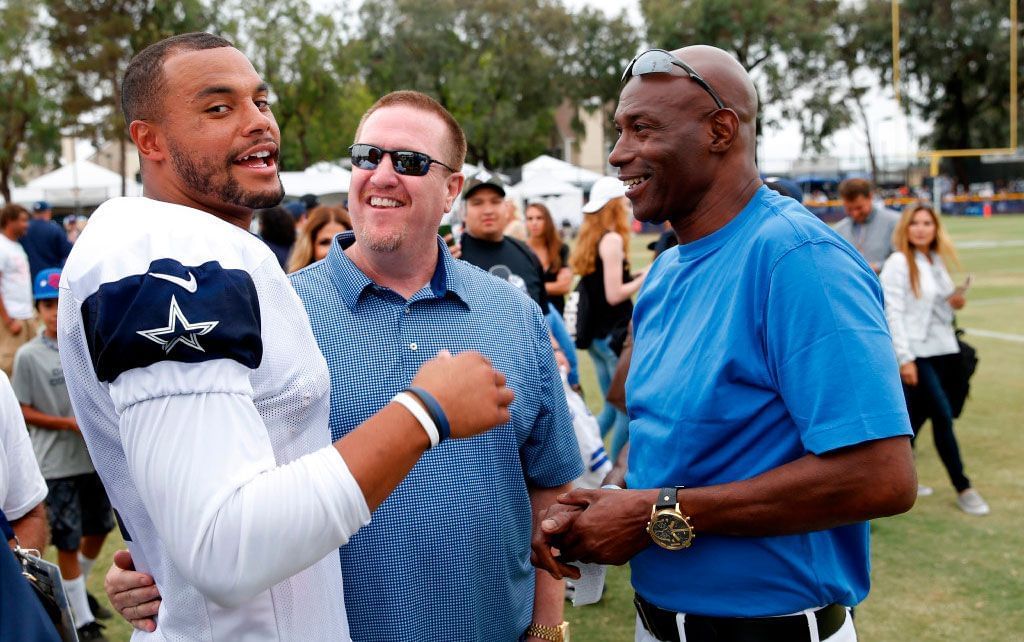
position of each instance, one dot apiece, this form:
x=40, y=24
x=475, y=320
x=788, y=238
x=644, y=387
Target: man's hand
x=545, y=556
x=610, y=529
x=471, y=392
x=908, y=373
x=133, y=594
x=14, y=326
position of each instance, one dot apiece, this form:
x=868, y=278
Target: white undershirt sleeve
x=234, y=522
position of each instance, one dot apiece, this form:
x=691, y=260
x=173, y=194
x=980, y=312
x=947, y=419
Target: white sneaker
x=971, y=502
x=924, y=491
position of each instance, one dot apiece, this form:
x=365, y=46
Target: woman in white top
x=919, y=302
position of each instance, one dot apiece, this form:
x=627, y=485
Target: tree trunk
x=867, y=135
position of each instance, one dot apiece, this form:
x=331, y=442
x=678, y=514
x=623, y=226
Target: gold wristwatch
x=558, y=633
x=669, y=528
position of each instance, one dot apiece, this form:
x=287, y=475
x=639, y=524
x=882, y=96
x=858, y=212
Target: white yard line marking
x=1004, y=336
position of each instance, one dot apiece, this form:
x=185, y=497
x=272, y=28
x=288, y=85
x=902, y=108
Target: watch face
x=669, y=530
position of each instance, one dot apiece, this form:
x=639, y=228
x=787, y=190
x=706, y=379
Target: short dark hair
x=423, y=102
x=277, y=226
x=852, y=188
x=11, y=212
x=144, y=77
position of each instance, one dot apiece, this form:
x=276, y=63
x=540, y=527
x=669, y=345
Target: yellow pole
x=1013, y=74
x=896, y=48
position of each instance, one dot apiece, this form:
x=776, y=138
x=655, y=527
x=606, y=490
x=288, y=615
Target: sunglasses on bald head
x=406, y=163
x=659, y=61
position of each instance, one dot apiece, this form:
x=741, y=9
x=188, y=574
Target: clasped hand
x=595, y=526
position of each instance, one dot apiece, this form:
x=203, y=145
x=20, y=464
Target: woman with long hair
x=543, y=239
x=919, y=302
x=323, y=223
x=600, y=259
x=545, y=242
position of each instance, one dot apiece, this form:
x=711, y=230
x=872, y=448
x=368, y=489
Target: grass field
x=938, y=574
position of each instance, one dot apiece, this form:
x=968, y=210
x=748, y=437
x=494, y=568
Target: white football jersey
x=204, y=402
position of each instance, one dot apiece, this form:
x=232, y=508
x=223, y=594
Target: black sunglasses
x=405, y=162
x=659, y=61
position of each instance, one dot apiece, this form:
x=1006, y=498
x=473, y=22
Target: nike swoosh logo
x=190, y=285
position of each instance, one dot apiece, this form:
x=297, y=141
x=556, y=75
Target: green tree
x=499, y=66
x=311, y=66
x=599, y=49
x=29, y=134
x=92, y=44
x=784, y=44
x=955, y=67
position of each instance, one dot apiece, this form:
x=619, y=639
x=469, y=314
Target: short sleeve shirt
x=447, y=555
x=873, y=237
x=39, y=382
x=15, y=280
x=754, y=346
x=510, y=260
x=21, y=485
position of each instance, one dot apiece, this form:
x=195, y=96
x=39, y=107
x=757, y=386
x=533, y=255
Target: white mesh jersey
x=203, y=399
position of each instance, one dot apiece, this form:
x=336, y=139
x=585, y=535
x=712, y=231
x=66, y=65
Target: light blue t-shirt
x=447, y=554
x=755, y=345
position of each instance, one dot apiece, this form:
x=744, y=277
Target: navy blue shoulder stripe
x=173, y=312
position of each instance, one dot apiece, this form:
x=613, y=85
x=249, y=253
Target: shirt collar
x=352, y=283
x=867, y=220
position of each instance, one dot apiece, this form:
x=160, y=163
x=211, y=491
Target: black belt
x=702, y=628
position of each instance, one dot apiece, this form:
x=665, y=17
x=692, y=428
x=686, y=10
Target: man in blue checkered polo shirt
x=447, y=555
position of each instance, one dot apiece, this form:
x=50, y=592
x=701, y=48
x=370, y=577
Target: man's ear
x=454, y=185
x=146, y=137
x=725, y=126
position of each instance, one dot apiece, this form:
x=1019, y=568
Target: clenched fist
x=471, y=392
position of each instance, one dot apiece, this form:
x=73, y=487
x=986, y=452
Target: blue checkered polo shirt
x=447, y=555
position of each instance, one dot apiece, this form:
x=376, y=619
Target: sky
x=893, y=133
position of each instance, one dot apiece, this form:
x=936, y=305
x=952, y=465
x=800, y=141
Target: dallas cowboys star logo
x=179, y=330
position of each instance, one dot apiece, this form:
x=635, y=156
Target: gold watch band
x=558, y=633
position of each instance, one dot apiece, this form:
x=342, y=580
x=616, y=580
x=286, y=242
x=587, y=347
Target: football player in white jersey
x=198, y=384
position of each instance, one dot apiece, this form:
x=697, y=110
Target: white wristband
x=418, y=411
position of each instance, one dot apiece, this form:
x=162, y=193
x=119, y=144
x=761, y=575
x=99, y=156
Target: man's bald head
x=678, y=152
x=728, y=77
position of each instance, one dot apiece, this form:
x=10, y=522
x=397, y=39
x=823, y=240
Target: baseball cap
x=47, y=284
x=41, y=206
x=603, y=190
x=295, y=208
x=483, y=178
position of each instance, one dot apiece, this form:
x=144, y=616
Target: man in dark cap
x=45, y=243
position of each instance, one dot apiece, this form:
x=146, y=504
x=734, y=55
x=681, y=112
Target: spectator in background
x=277, y=229
x=553, y=254
x=45, y=243
x=867, y=226
x=600, y=258
x=919, y=304
x=77, y=507
x=15, y=286
x=543, y=239
x=485, y=245
x=322, y=224
x=516, y=228
x=73, y=228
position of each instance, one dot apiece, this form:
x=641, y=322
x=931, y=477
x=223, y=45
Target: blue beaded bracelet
x=444, y=429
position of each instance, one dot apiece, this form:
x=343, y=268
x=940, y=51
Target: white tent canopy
x=563, y=199
x=551, y=167
x=81, y=183
x=320, y=179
